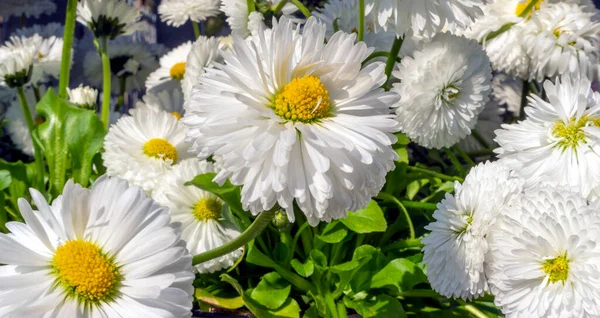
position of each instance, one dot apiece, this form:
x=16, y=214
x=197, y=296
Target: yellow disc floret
x=177, y=71
x=571, y=133
x=304, y=99
x=85, y=272
x=176, y=115
x=207, y=209
x=521, y=7
x=557, y=268
x=160, y=148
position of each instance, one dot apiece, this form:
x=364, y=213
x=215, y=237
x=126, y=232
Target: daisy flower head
x=106, y=252
x=47, y=54
x=444, y=86
x=168, y=100
x=239, y=19
x=108, y=18
x=423, y=17
x=17, y=126
x=129, y=59
x=560, y=38
x=16, y=64
x=455, y=249
x=296, y=119
x=204, y=52
x=171, y=69
x=27, y=8
x=84, y=97
x=559, y=142
x=543, y=258
x=178, y=12
x=140, y=148
x=204, y=225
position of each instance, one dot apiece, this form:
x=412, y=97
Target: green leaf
x=377, y=306
x=70, y=137
x=402, y=155
x=227, y=192
x=333, y=233
x=256, y=257
x=319, y=258
x=227, y=303
x=272, y=291
x=280, y=252
x=399, y=275
x=367, y=220
x=413, y=188
x=5, y=179
x=304, y=270
x=403, y=140
x=372, y=260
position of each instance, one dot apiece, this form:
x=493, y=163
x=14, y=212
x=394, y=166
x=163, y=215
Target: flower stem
x=391, y=198
x=302, y=8
x=419, y=205
x=106, y=73
x=361, y=20
x=479, y=139
x=391, y=60
x=473, y=310
x=404, y=244
x=524, y=93
x=251, y=6
x=419, y=293
x=455, y=161
x=434, y=174
x=463, y=155
x=37, y=151
x=529, y=8
x=259, y=224
x=196, y=29
x=122, y=89
x=36, y=92
x=342, y=311
x=279, y=6
x=375, y=55
x=65, y=65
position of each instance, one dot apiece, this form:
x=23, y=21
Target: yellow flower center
x=521, y=7
x=557, y=268
x=85, y=272
x=571, y=133
x=177, y=71
x=40, y=55
x=304, y=99
x=176, y=115
x=160, y=148
x=207, y=209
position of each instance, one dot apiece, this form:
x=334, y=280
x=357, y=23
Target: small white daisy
x=27, y=8
x=204, y=52
x=238, y=16
x=141, y=147
x=105, y=252
x=16, y=64
x=204, y=226
x=455, y=249
x=172, y=68
x=559, y=142
x=443, y=88
x=178, y=12
x=170, y=101
x=543, y=259
x=108, y=18
x=83, y=96
x=17, y=126
x=297, y=120
x=47, y=55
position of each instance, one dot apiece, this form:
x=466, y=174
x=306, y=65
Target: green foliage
x=367, y=220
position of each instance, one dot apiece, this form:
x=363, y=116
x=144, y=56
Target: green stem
x=479, y=139
x=463, y=155
x=36, y=92
x=330, y=304
x=298, y=282
x=37, y=151
x=419, y=205
x=391, y=198
x=482, y=152
x=259, y=224
x=361, y=20
x=375, y=55
x=418, y=293
x=528, y=9
x=524, y=93
x=302, y=8
x=391, y=60
x=196, y=29
x=65, y=65
x=122, y=90
x=295, y=240
x=106, y=73
x=403, y=244
x=304, y=235
x=279, y=6
x=455, y=161
x=342, y=311
x=473, y=310
x=251, y=6
x=434, y=174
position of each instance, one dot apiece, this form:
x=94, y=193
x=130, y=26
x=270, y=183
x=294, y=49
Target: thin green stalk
x=342, y=311
x=330, y=304
x=455, y=161
x=473, y=310
x=196, y=29
x=36, y=92
x=391, y=61
x=528, y=9
x=463, y=155
x=65, y=65
x=251, y=6
x=391, y=198
x=524, y=93
x=376, y=55
x=479, y=139
x=259, y=224
x=302, y=8
x=419, y=205
x=403, y=244
x=482, y=152
x=37, y=151
x=106, y=73
x=295, y=240
x=434, y=174
x=419, y=293
x=279, y=6
x=122, y=90
x=361, y=20
x=305, y=236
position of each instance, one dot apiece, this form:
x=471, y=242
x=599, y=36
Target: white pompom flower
x=16, y=64
x=297, y=120
x=108, y=18
x=178, y=12
x=83, y=96
x=443, y=87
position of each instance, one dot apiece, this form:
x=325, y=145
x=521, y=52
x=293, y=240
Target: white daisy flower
x=17, y=126
x=105, y=252
x=178, y=12
x=204, y=52
x=140, y=148
x=28, y=8
x=562, y=38
x=559, y=142
x=423, y=17
x=204, y=226
x=47, y=55
x=543, y=259
x=172, y=68
x=443, y=88
x=83, y=96
x=108, y=18
x=489, y=120
x=296, y=119
x=507, y=91
x=238, y=17
x=170, y=101
x=132, y=60
x=455, y=249
x=16, y=64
